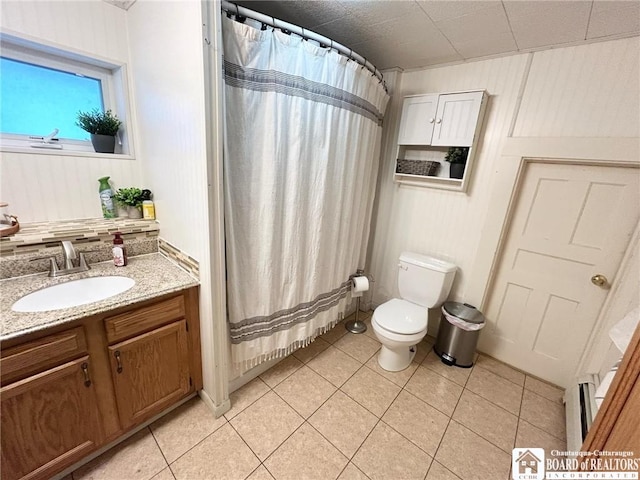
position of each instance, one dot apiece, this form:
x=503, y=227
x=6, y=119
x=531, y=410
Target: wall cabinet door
x=456, y=119
x=49, y=421
x=418, y=120
x=447, y=119
x=150, y=372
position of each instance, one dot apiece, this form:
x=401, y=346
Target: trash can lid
x=463, y=311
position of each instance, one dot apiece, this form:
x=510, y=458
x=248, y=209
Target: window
x=36, y=99
x=42, y=89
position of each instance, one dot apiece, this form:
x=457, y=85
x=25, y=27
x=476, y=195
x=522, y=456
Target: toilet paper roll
x=359, y=285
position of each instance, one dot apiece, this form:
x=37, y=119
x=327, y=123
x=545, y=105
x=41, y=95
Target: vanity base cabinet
x=150, y=372
x=65, y=393
x=49, y=421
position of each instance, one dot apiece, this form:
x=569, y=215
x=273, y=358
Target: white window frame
x=109, y=74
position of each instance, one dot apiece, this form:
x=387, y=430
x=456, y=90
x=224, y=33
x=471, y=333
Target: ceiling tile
x=412, y=34
x=372, y=12
x=307, y=14
x=344, y=30
x=613, y=18
x=538, y=24
x=443, y=10
x=484, y=32
x=487, y=23
x=485, y=46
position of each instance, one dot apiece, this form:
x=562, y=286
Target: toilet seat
x=401, y=317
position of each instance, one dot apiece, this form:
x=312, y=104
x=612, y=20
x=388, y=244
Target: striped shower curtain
x=302, y=142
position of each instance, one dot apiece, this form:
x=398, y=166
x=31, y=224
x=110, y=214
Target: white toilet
x=400, y=324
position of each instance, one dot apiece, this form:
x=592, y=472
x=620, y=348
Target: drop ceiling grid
x=419, y=33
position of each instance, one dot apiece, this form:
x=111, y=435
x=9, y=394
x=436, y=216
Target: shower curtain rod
x=304, y=33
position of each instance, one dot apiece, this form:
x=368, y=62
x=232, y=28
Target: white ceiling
x=418, y=33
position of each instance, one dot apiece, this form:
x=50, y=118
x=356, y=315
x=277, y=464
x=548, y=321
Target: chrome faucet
x=69, y=254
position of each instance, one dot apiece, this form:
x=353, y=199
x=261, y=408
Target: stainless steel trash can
x=458, y=334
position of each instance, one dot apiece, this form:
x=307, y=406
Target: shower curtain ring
x=237, y=10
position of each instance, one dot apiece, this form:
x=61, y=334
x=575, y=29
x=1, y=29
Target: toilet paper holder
x=355, y=325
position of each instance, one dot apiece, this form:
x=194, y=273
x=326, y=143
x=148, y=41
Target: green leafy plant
x=457, y=154
x=98, y=122
x=129, y=197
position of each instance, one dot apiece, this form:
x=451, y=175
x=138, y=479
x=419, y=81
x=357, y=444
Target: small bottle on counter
x=148, y=210
x=119, y=251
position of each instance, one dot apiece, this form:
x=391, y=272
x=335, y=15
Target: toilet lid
x=401, y=316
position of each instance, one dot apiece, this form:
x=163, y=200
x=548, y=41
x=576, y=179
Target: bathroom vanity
x=76, y=379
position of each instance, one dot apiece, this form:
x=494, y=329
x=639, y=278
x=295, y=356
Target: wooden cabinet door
x=417, y=120
x=49, y=421
x=456, y=119
x=150, y=372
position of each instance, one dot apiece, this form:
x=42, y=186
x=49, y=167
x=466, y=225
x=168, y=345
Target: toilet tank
x=424, y=280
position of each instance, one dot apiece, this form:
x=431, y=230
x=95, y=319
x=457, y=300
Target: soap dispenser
x=119, y=251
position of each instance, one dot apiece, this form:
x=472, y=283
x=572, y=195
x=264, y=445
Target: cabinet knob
x=439, y=120
x=431, y=120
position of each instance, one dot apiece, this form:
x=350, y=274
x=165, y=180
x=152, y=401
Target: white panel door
x=456, y=119
x=571, y=223
x=417, y=120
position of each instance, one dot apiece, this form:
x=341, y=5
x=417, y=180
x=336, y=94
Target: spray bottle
x=108, y=209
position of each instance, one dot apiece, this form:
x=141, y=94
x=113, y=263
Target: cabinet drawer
x=144, y=319
x=46, y=352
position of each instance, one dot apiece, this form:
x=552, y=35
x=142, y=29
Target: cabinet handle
x=119, y=362
x=85, y=370
x=431, y=120
x=439, y=120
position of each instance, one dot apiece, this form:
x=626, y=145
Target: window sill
x=64, y=153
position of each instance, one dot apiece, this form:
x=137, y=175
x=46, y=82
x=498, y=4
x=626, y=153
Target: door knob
x=431, y=120
x=439, y=120
x=599, y=280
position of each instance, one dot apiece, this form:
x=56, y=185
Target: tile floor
x=330, y=412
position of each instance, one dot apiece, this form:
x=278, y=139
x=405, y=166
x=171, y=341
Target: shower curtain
x=302, y=140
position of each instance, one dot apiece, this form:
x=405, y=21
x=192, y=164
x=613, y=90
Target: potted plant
x=103, y=127
x=131, y=199
x=457, y=157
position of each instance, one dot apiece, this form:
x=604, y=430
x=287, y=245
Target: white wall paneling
x=52, y=187
x=46, y=186
x=168, y=70
x=168, y=83
x=466, y=229
x=91, y=26
x=586, y=91
x=442, y=223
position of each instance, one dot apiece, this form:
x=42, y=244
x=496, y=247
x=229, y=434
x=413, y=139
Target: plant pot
x=103, y=143
x=456, y=170
x=122, y=212
x=134, y=212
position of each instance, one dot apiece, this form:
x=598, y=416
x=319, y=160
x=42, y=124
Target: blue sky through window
x=34, y=100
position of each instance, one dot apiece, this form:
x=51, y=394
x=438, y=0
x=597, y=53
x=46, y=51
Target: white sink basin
x=73, y=294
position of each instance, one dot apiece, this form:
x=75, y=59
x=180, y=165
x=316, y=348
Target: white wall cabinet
x=429, y=125
x=417, y=120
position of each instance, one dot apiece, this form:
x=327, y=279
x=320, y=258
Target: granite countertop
x=154, y=275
